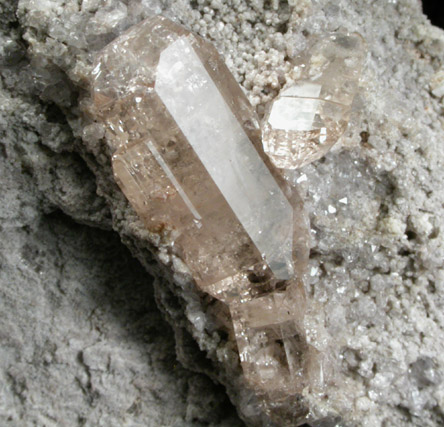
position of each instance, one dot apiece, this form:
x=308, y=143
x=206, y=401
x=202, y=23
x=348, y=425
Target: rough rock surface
x=78, y=349
x=82, y=340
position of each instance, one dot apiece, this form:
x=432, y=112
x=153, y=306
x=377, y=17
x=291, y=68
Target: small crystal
x=272, y=345
x=308, y=118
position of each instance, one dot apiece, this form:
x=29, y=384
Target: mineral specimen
x=307, y=119
x=189, y=159
x=271, y=341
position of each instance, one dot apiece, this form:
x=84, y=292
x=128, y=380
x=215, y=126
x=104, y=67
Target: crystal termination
x=308, y=118
x=188, y=156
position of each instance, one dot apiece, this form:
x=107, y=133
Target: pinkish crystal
x=307, y=119
x=188, y=156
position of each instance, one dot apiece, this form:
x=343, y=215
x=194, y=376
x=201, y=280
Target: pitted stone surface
x=376, y=206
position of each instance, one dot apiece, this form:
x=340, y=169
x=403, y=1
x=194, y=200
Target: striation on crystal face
x=307, y=119
x=271, y=342
x=188, y=156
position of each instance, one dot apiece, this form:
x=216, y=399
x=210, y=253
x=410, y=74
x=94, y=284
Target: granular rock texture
x=376, y=209
x=82, y=341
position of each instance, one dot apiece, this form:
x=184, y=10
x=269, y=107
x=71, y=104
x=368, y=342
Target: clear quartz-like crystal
x=188, y=156
x=308, y=118
x=271, y=342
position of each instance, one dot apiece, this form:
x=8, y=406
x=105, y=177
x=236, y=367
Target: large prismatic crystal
x=188, y=156
x=307, y=119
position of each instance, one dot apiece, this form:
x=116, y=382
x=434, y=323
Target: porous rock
x=376, y=209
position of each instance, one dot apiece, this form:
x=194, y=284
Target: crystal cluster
x=188, y=156
x=307, y=119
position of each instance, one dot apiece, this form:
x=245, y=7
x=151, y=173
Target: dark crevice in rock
x=433, y=10
x=129, y=297
x=54, y=114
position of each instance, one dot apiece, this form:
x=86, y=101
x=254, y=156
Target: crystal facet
x=188, y=156
x=308, y=118
x=271, y=342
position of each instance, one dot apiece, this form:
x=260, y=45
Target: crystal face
x=188, y=156
x=308, y=118
x=227, y=154
x=271, y=342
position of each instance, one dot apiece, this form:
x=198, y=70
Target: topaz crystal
x=271, y=340
x=307, y=119
x=188, y=156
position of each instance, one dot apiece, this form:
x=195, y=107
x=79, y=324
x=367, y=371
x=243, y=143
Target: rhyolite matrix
x=375, y=207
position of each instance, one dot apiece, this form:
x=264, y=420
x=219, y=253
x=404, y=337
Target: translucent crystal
x=271, y=342
x=188, y=158
x=308, y=118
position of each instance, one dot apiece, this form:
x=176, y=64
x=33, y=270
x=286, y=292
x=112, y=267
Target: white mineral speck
x=302, y=178
x=363, y=403
x=331, y=209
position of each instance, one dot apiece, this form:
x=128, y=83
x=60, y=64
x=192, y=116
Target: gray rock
x=376, y=208
x=82, y=340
